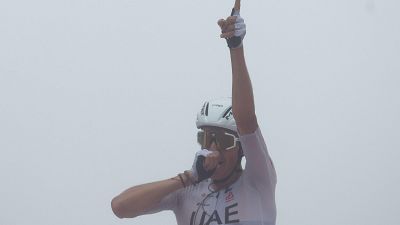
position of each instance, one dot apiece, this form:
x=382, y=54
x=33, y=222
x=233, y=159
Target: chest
x=207, y=208
x=228, y=206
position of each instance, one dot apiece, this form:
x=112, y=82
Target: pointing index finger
x=237, y=5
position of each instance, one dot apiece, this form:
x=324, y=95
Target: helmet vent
x=228, y=113
x=207, y=109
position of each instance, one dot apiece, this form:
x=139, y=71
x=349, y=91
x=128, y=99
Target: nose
x=213, y=146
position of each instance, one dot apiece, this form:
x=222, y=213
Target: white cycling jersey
x=248, y=201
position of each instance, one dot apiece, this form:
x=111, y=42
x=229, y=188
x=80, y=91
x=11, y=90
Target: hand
x=233, y=29
x=204, y=165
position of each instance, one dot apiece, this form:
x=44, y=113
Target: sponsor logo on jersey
x=228, y=216
x=229, y=197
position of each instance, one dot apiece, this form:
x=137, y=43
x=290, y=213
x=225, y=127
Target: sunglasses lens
x=200, y=138
x=226, y=141
x=223, y=140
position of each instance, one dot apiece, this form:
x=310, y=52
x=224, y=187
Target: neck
x=221, y=185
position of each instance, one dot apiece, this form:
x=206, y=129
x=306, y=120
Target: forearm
x=138, y=199
x=242, y=93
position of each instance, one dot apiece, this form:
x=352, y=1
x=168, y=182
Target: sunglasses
x=222, y=139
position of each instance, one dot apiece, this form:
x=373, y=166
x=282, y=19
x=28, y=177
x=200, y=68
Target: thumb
x=221, y=23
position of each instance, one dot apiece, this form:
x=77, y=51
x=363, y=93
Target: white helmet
x=217, y=113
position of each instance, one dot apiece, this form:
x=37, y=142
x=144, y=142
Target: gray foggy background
x=98, y=96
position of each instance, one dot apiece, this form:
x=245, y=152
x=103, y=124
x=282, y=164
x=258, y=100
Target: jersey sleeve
x=259, y=169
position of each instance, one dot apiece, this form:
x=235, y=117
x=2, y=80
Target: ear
x=239, y=160
x=241, y=154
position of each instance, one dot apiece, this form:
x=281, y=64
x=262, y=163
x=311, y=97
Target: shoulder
x=252, y=137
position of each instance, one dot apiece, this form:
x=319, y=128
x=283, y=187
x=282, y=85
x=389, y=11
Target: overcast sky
x=98, y=96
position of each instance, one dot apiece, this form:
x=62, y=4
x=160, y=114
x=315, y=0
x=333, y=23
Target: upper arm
x=247, y=125
x=259, y=167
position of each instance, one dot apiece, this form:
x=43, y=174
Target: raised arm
x=234, y=30
x=259, y=169
x=242, y=93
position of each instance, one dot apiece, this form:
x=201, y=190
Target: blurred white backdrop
x=97, y=96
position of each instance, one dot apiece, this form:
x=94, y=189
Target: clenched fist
x=233, y=29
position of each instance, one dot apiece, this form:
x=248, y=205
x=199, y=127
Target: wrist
x=237, y=49
x=189, y=179
x=179, y=181
x=185, y=179
x=182, y=180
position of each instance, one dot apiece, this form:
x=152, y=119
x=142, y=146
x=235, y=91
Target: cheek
x=230, y=160
x=231, y=155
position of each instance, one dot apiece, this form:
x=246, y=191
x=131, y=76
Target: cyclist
x=217, y=190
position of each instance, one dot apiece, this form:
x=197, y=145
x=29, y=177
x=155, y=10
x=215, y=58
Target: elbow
x=120, y=210
x=117, y=208
x=244, y=116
